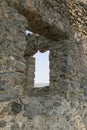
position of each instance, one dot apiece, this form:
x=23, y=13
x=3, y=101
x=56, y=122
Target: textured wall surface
x=62, y=29
x=12, y=46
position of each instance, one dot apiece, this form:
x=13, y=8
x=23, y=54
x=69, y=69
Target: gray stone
x=15, y=127
x=4, y=97
x=2, y=87
x=16, y=107
x=85, y=92
x=33, y=109
x=2, y=123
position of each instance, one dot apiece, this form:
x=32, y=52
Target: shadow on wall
x=41, y=67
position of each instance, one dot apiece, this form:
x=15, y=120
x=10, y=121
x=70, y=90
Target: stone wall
x=63, y=104
x=67, y=65
x=12, y=46
x=30, y=71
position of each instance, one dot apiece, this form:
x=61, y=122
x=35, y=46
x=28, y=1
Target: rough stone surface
x=16, y=107
x=30, y=71
x=62, y=29
x=2, y=123
x=2, y=88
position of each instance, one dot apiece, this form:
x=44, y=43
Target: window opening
x=41, y=69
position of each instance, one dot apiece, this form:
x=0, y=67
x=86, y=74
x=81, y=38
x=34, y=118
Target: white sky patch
x=42, y=67
x=28, y=32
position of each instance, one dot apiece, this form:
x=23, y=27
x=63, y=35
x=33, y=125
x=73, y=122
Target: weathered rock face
x=12, y=46
x=44, y=112
x=44, y=17
x=62, y=26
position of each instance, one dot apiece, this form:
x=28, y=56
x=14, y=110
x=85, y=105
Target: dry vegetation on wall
x=78, y=15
